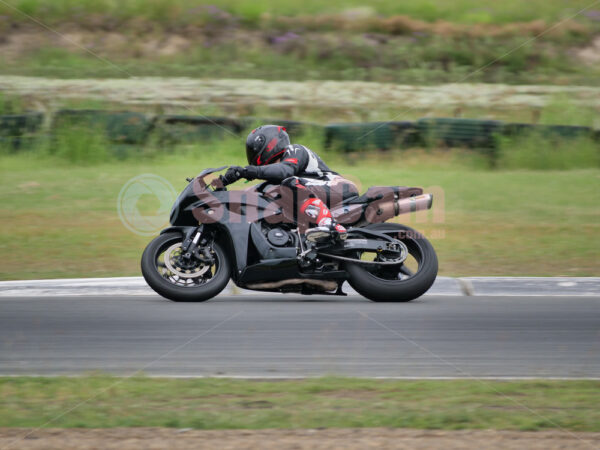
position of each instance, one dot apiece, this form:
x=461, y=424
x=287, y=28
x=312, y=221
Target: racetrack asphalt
x=276, y=335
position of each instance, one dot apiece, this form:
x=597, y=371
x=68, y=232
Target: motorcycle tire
x=177, y=293
x=379, y=289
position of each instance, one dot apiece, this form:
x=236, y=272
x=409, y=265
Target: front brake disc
x=172, y=256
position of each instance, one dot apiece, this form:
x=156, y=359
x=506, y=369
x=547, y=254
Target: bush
x=78, y=144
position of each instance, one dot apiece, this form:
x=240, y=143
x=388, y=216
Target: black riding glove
x=250, y=172
x=233, y=174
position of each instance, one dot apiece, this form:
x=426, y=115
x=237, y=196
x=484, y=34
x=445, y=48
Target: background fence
x=124, y=128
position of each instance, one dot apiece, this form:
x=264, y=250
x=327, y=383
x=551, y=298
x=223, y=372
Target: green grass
x=538, y=152
x=427, y=59
x=541, y=151
x=60, y=219
x=79, y=145
x=272, y=40
x=106, y=402
x=11, y=104
x=251, y=11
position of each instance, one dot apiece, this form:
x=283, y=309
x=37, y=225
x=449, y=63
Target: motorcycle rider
x=271, y=157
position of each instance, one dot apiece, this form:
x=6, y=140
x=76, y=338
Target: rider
x=271, y=157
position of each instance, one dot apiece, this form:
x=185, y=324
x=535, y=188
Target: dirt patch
x=283, y=34
x=354, y=438
x=28, y=40
x=406, y=25
x=591, y=53
x=356, y=20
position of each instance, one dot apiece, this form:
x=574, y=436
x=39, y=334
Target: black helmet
x=265, y=143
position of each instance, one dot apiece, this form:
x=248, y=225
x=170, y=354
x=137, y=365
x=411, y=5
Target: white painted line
x=443, y=286
x=533, y=286
x=136, y=286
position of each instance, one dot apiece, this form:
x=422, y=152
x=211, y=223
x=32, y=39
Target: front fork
x=196, y=244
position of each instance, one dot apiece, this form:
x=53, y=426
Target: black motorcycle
x=252, y=237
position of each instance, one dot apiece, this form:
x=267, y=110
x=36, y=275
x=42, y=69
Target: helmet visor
x=254, y=147
x=251, y=155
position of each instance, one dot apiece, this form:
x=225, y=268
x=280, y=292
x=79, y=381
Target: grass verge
x=417, y=58
x=178, y=12
x=106, y=402
x=427, y=41
x=538, y=152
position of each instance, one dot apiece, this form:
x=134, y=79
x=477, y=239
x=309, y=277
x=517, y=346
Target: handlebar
x=205, y=173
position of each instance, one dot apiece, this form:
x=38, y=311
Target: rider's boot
x=327, y=227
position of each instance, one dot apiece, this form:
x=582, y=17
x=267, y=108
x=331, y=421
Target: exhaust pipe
x=324, y=285
x=412, y=204
x=381, y=211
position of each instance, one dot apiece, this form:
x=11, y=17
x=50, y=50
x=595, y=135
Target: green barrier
x=552, y=131
x=459, y=132
x=18, y=130
x=126, y=128
x=373, y=135
x=177, y=129
x=121, y=127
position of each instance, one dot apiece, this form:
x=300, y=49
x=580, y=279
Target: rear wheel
x=197, y=279
x=397, y=283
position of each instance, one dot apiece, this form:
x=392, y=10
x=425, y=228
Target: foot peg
x=325, y=233
x=342, y=234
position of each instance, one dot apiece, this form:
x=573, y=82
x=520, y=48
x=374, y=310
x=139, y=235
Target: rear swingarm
x=382, y=246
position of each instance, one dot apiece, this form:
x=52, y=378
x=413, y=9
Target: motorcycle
x=253, y=238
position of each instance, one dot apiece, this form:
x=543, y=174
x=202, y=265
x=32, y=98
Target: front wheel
x=194, y=280
x=401, y=283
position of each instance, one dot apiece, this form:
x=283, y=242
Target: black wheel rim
x=404, y=271
x=175, y=270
